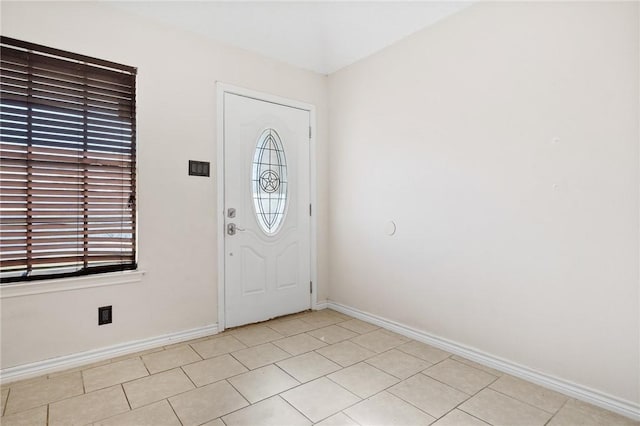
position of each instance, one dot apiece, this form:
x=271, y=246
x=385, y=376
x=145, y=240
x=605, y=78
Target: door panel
x=286, y=271
x=254, y=272
x=266, y=160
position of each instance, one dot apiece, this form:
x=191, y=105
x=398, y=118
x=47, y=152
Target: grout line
x=239, y=393
x=285, y=372
x=381, y=371
x=351, y=392
x=296, y=332
x=362, y=346
x=48, y=408
x=241, y=363
x=182, y=365
x=174, y=410
x=281, y=348
x=291, y=405
x=97, y=390
x=418, y=408
x=424, y=411
x=556, y=413
x=235, y=375
x=126, y=396
x=392, y=375
x=370, y=396
x=527, y=403
x=196, y=352
x=189, y=377
x=57, y=400
x=471, y=366
x=489, y=385
x=469, y=395
x=433, y=364
x=447, y=413
x=327, y=358
x=474, y=416
x=140, y=378
x=349, y=417
x=521, y=401
x=145, y=366
x=477, y=366
x=355, y=403
x=171, y=396
x=6, y=402
x=308, y=381
x=457, y=406
x=345, y=328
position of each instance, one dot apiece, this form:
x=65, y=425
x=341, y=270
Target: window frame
x=82, y=65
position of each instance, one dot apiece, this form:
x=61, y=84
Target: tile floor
x=320, y=368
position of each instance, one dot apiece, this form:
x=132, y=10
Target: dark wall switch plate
x=105, y=315
x=199, y=168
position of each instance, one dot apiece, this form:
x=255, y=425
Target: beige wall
x=177, y=213
x=503, y=141
x=507, y=242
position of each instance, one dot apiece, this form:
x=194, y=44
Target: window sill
x=71, y=283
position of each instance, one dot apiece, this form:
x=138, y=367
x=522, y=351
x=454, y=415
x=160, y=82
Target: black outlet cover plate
x=105, y=315
x=199, y=168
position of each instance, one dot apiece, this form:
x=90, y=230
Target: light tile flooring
x=311, y=368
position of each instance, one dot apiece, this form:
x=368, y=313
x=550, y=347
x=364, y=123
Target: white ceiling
x=318, y=36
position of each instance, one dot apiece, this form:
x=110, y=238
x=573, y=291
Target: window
x=269, y=180
x=67, y=164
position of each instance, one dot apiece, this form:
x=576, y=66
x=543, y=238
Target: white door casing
x=266, y=271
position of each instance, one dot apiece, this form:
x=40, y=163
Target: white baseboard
x=320, y=304
x=38, y=368
x=583, y=393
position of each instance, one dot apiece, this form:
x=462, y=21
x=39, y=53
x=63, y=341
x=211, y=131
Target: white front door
x=266, y=208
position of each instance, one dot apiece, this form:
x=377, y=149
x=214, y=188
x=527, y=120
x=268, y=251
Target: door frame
x=221, y=89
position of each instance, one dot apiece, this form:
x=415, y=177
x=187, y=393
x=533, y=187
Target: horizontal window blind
x=67, y=163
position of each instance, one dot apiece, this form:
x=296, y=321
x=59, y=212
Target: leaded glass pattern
x=269, y=182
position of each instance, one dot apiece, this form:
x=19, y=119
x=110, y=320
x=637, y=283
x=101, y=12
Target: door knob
x=232, y=228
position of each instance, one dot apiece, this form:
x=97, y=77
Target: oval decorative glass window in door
x=269, y=182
